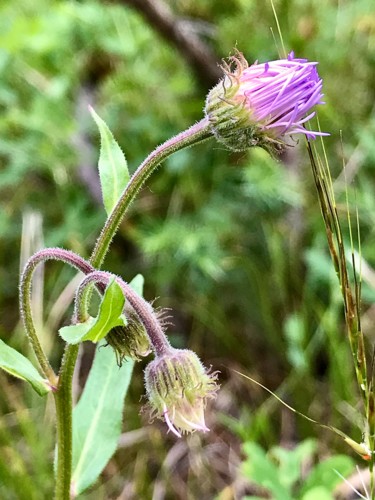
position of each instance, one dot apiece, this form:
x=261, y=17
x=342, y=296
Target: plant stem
x=25, y=299
x=63, y=384
x=27, y=318
x=193, y=135
x=63, y=397
x=64, y=413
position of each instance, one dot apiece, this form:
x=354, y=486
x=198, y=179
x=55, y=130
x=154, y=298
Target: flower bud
x=178, y=387
x=259, y=105
x=130, y=340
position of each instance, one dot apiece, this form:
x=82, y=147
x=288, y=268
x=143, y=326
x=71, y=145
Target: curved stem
x=25, y=299
x=193, y=135
x=63, y=397
x=142, y=308
x=63, y=384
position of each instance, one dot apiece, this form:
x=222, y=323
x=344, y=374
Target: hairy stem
x=193, y=135
x=63, y=396
x=64, y=419
x=25, y=299
x=63, y=383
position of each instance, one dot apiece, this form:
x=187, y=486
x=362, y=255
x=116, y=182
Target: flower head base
x=130, y=340
x=178, y=387
x=259, y=105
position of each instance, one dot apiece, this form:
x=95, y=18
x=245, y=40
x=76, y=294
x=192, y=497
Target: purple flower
x=259, y=105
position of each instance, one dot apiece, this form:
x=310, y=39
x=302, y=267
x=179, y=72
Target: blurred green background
x=234, y=244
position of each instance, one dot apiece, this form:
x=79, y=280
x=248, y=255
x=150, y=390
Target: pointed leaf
x=109, y=316
x=137, y=284
x=17, y=365
x=75, y=333
x=113, y=169
x=97, y=418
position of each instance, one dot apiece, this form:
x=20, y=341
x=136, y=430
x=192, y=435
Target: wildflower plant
x=258, y=105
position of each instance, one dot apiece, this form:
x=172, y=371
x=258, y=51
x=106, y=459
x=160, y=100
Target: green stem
x=63, y=398
x=26, y=315
x=25, y=300
x=193, y=135
x=64, y=419
x=63, y=384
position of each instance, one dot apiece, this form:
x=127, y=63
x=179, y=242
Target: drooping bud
x=178, y=387
x=130, y=340
x=259, y=105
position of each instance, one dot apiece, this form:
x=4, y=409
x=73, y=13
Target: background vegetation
x=232, y=243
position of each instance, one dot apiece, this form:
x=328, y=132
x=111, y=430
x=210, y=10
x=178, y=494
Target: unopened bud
x=178, y=387
x=130, y=340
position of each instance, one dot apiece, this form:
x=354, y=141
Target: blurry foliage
x=234, y=244
x=281, y=472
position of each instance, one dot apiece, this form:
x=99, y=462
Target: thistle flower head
x=178, y=387
x=259, y=105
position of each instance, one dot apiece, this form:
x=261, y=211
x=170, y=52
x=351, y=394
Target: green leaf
x=109, y=316
x=113, y=169
x=326, y=473
x=97, y=418
x=318, y=493
x=260, y=469
x=137, y=284
x=75, y=333
x=290, y=461
x=17, y=365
